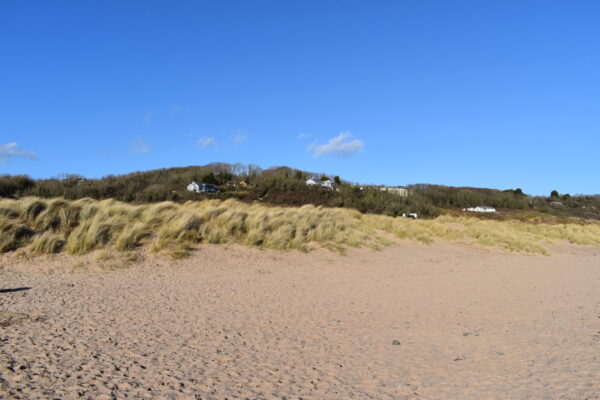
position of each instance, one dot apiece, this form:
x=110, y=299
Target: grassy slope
x=50, y=226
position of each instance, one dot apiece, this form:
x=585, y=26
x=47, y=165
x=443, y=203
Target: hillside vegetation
x=286, y=186
x=78, y=226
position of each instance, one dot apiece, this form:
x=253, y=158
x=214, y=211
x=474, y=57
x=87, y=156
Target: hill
x=286, y=186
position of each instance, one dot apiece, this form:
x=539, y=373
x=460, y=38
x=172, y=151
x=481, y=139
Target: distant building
x=326, y=184
x=480, y=209
x=203, y=187
x=193, y=187
x=399, y=190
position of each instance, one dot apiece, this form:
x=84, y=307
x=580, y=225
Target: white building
x=326, y=184
x=481, y=209
x=203, y=188
x=399, y=190
x=193, y=187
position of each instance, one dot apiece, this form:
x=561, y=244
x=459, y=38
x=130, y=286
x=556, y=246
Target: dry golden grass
x=50, y=226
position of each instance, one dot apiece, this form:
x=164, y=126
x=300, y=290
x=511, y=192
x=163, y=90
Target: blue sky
x=498, y=94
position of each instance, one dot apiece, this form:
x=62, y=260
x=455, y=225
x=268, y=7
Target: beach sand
x=444, y=321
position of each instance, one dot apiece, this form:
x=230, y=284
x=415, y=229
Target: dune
x=411, y=321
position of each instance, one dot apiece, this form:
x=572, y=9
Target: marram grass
x=80, y=226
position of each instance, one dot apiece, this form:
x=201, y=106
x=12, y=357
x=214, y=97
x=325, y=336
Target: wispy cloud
x=148, y=117
x=304, y=135
x=175, y=109
x=205, y=142
x=239, y=137
x=12, y=150
x=139, y=146
x=342, y=145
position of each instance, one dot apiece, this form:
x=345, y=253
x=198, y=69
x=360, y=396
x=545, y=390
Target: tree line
x=286, y=186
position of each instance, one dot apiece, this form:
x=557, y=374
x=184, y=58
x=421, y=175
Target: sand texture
x=408, y=322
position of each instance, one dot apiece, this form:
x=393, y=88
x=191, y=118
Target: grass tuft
x=47, y=243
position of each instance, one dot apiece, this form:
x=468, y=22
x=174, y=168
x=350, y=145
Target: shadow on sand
x=19, y=289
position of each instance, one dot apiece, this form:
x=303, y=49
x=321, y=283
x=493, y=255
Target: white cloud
x=304, y=135
x=205, y=142
x=239, y=137
x=11, y=150
x=139, y=146
x=148, y=117
x=343, y=145
x=175, y=109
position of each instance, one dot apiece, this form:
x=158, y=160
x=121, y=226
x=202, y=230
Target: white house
x=326, y=184
x=399, y=190
x=203, y=188
x=193, y=187
x=481, y=209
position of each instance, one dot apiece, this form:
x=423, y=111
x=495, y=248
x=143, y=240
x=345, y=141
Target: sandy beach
x=412, y=321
